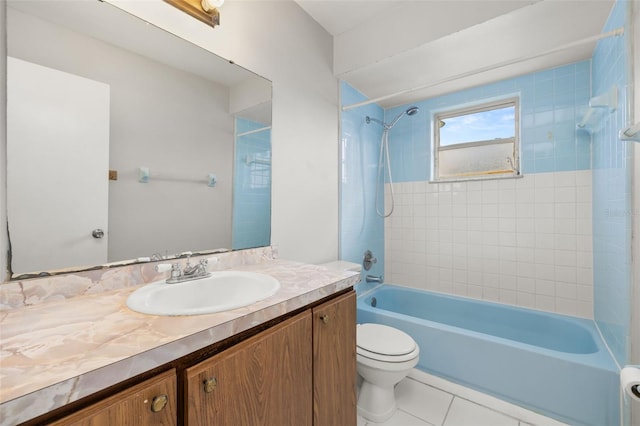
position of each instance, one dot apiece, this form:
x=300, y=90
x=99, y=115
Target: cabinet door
x=334, y=362
x=152, y=402
x=265, y=380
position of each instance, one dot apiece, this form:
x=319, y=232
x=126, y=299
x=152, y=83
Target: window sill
x=476, y=178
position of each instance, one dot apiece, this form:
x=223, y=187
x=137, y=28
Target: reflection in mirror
x=252, y=185
x=124, y=140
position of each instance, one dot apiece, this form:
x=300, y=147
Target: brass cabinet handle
x=210, y=384
x=159, y=402
x=324, y=318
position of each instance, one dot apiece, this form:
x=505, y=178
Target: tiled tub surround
x=57, y=352
x=524, y=241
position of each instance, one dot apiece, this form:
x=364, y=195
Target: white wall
x=635, y=338
x=412, y=25
x=277, y=40
x=4, y=246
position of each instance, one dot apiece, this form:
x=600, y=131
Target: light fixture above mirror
x=206, y=11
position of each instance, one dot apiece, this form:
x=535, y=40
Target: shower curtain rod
x=616, y=32
x=250, y=132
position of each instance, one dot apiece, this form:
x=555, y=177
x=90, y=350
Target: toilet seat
x=383, y=343
x=386, y=358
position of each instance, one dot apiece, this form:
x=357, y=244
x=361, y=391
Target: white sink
x=222, y=291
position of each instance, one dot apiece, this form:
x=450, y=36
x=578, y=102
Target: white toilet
x=385, y=355
x=342, y=265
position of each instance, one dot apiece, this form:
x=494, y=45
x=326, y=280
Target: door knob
x=159, y=402
x=97, y=233
x=210, y=384
x=324, y=318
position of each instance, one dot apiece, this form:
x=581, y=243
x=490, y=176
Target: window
x=477, y=142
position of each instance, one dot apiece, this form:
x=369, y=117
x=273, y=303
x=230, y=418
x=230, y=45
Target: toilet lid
x=384, y=340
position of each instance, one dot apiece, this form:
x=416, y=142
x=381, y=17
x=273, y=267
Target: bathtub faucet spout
x=375, y=279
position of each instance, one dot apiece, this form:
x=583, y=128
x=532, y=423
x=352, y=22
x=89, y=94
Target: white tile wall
x=525, y=242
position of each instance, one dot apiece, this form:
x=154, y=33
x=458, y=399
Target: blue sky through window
x=479, y=126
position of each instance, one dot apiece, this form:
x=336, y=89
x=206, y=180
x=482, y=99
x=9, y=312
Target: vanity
x=181, y=162
x=88, y=359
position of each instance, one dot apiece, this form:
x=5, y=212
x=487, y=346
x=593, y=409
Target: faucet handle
x=173, y=267
x=368, y=260
x=163, y=267
x=204, y=262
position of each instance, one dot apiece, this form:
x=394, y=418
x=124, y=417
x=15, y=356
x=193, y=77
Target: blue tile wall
x=360, y=227
x=251, y=187
x=551, y=103
x=612, y=203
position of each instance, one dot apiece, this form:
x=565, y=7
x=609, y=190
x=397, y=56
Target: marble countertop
x=55, y=353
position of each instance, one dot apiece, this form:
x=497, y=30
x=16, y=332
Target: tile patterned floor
x=426, y=400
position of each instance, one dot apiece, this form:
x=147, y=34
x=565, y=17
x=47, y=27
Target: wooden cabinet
x=299, y=372
x=334, y=362
x=152, y=402
x=264, y=380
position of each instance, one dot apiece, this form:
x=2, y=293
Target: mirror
x=125, y=141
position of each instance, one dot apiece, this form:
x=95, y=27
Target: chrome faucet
x=189, y=273
x=195, y=270
x=375, y=279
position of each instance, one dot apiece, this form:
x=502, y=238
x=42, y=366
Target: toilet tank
x=342, y=265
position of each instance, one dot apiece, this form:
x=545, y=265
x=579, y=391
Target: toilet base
x=376, y=403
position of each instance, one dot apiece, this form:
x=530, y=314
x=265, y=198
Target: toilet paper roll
x=630, y=381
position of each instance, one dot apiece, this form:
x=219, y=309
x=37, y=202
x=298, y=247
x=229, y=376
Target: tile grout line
x=489, y=408
x=420, y=419
x=444, y=420
x=524, y=419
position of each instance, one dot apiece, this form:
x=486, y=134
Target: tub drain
x=374, y=302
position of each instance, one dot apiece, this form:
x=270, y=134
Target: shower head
x=410, y=111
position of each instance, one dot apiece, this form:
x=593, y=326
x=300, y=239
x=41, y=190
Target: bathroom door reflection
x=56, y=197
